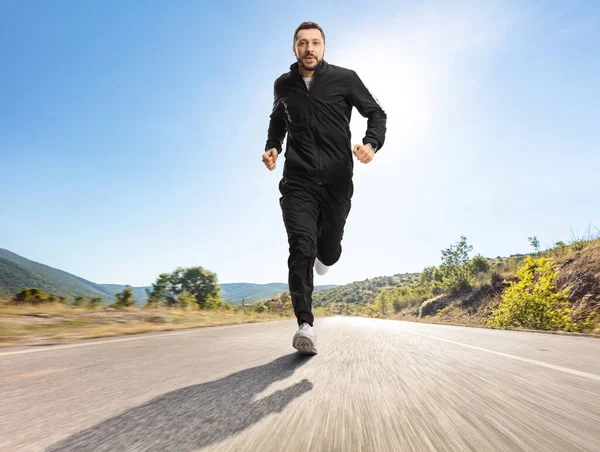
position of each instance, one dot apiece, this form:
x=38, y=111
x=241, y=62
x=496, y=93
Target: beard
x=309, y=66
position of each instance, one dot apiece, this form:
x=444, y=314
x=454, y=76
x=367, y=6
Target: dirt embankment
x=577, y=271
x=581, y=273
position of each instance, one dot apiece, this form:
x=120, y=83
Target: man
x=313, y=104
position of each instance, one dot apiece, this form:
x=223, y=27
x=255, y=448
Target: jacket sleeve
x=368, y=106
x=277, y=128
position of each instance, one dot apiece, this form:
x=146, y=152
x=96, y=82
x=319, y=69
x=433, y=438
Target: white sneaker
x=305, y=340
x=320, y=267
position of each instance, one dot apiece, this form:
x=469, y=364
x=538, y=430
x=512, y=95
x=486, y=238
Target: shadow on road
x=195, y=416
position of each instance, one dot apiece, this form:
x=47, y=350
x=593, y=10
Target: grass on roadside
x=30, y=324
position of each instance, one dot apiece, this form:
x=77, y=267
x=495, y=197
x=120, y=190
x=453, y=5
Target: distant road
x=375, y=385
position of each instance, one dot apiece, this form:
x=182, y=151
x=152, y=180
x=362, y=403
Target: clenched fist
x=364, y=153
x=269, y=158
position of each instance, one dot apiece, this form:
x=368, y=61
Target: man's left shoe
x=320, y=267
x=305, y=340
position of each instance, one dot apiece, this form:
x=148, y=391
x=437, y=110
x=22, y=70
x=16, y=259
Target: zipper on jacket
x=308, y=102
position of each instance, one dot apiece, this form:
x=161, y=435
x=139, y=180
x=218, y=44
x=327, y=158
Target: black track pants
x=314, y=217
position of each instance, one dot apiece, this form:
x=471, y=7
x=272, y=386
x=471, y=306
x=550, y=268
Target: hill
x=553, y=289
x=17, y=272
x=236, y=292
x=362, y=292
x=139, y=292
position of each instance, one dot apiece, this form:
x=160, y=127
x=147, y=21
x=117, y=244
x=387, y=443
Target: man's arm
x=368, y=107
x=277, y=127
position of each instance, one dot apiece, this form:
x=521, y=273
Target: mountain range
x=17, y=272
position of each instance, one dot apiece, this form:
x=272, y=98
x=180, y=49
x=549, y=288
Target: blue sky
x=131, y=132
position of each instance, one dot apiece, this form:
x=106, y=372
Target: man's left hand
x=364, y=153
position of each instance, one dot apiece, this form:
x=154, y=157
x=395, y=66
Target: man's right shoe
x=305, y=340
x=320, y=267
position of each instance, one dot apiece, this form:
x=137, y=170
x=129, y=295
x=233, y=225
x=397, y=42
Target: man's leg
x=300, y=211
x=335, y=207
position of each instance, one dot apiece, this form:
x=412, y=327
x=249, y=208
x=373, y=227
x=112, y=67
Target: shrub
x=495, y=278
x=125, y=299
x=30, y=295
x=479, y=264
x=532, y=300
x=94, y=302
x=457, y=275
x=78, y=301
x=560, y=249
x=383, y=302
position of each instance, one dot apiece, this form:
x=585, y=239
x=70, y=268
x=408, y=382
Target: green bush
x=409, y=295
x=78, y=301
x=495, y=278
x=457, y=274
x=532, y=301
x=383, y=302
x=479, y=264
x=560, y=249
x=31, y=295
x=579, y=245
x=125, y=299
x=457, y=280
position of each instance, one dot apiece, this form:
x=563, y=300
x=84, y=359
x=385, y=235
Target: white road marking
x=196, y=330
x=566, y=370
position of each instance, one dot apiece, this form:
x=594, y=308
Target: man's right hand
x=269, y=158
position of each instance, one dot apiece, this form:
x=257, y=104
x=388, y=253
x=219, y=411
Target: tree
x=163, y=291
x=200, y=283
x=427, y=275
x=383, y=302
x=456, y=276
x=186, y=300
x=479, y=264
x=431, y=277
x=215, y=302
x=78, y=301
x=126, y=298
x=535, y=243
x=195, y=281
x=94, y=302
x=456, y=255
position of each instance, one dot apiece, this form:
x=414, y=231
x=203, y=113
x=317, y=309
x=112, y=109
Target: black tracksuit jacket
x=317, y=123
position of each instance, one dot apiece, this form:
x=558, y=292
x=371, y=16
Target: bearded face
x=309, y=49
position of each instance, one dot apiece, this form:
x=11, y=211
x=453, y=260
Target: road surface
x=376, y=385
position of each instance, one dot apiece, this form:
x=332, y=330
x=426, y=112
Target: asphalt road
x=375, y=385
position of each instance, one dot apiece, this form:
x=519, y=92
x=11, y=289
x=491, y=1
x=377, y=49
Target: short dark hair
x=308, y=26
